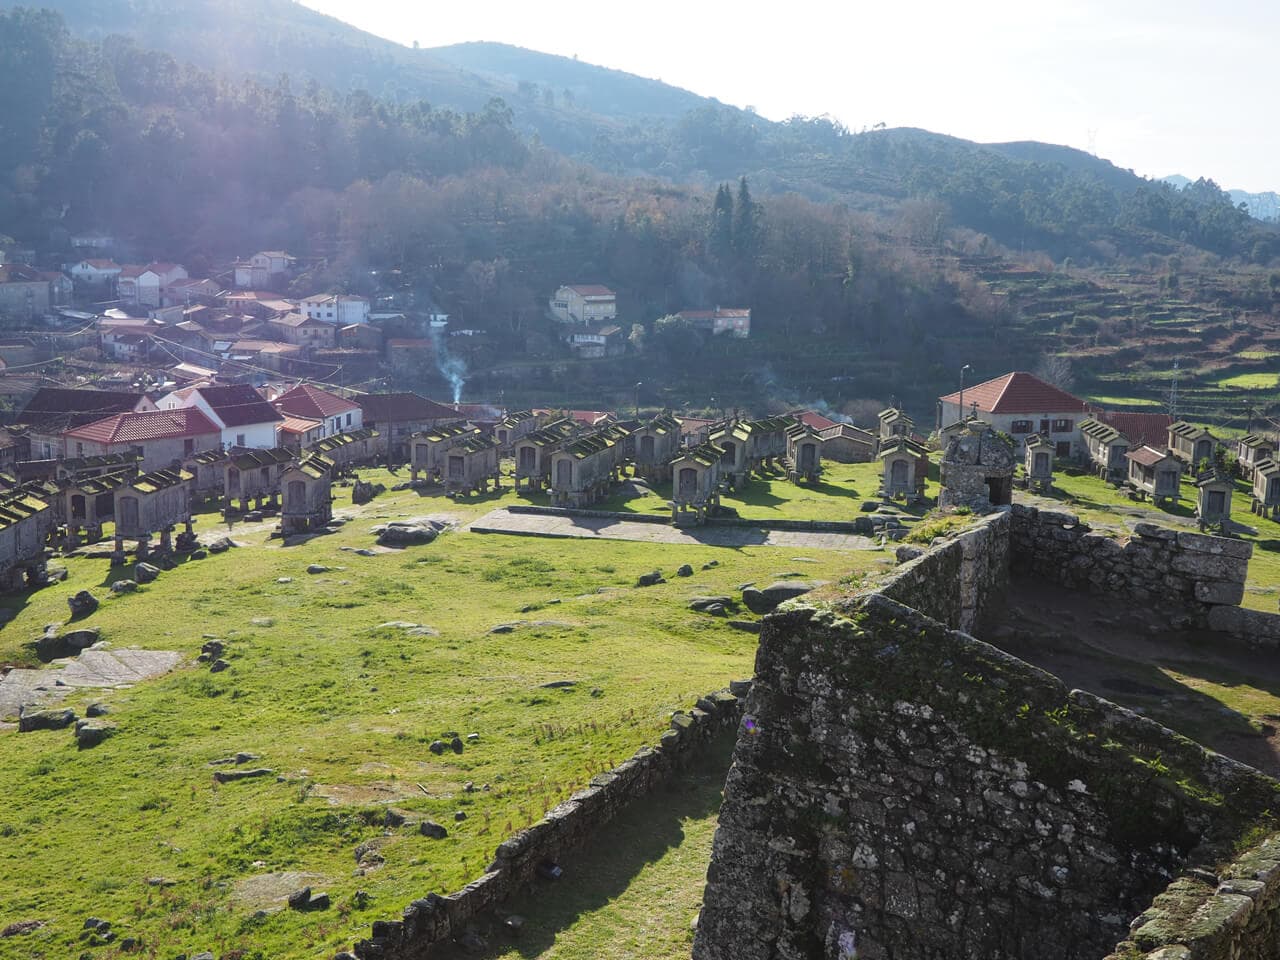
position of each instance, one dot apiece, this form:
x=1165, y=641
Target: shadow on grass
x=600, y=872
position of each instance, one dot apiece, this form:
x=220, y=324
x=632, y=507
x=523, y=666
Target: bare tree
x=1054, y=368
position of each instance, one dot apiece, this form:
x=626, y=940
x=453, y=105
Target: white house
x=338, y=414
x=1020, y=404
x=339, y=309
x=143, y=285
x=584, y=303
x=262, y=269
x=732, y=320
x=94, y=272
x=243, y=416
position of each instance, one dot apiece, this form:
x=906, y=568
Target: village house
x=308, y=500
x=804, y=453
x=304, y=331
x=142, y=285
x=280, y=357
x=51, y=411
x=398, y=416
x=361, y=336
x=534, y=450
x=905, y=468
x=25, y=523
x=584, y=303
x=732, y=320
x=1266, y=488
x=1106, y=447
x=155, y=502
x=162, y=437
x=583, y=470
x=597, y=340
x=186, y=291
x=24, y=292
x=339, y=309
x=695, y=484
x=262, y=304
x=1038, y=463
x=845, y=443
x=99, y=275
x=656, y=444
x=408, y=354
x=263, y=270
x=1020, y=404
x=1252, y=450
x=1191, y=444
x=338, y=413
x=1155, y=473
x=298, y=433
x=243, y=414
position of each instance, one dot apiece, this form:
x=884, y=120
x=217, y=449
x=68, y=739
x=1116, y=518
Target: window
x=1044, y=426
x=240, y=440
x=1062, y=426
x=348, y=419
x=79, y=449
x=1020, y=426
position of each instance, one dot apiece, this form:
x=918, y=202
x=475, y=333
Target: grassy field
x=1249, y=381
x=343, y=710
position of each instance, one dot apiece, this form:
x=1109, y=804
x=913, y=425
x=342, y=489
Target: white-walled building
x=585, y=303
x=340, y=309
x=338, y=414
x=94, y=272
x=1020, y=404
x=262, y=269
x=242, y=414
x=735, y=321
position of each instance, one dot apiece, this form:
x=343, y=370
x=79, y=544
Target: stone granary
x=347, y=450
x=470, y=466
x=804, y=453
x=1106, y=447
x=155, y=502
x=91, y=502
x=1038, y=463
x=206, y=471
x=977, y=470
x=583, y=470
x=533, y=452
x=253, y=475
x=656, y=443
x=845, y=443
x=695, y=484
x=1155, y=473
x=78, y=468
x=25, y=523
x=1191, y=444
x=1250, y=450
x=515, y=425
x=750, y=445
x=895, y=423
x=308, y=500
x=429, y=451
x=1213, y=498
x=623, y=436
x=906, y=468
x=1266, y=488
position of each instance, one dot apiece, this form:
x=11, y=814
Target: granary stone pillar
x=166, y=540
x=144, y=546
x=117, y=555
x=72, y=538
x=244, y=505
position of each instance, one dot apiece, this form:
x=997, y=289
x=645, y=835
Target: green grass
x=329, y=700
x=1115, y=401
x=1249, y=381
x=1257, y=354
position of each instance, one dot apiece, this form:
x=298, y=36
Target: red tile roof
x=813, y=419
x=719, y=313
x=382, y=407
x=1147, y=456
x=299, y=425
x=305, y=400
x=1142, y=429
x=53, y=409
x=146, y=425
x=239, y=404
x=1018, y=392
x=591, y=290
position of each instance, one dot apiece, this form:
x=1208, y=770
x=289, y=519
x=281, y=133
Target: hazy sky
x=1159, y=87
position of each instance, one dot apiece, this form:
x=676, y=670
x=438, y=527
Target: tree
x=1054, y=368
x=746, y=225
x=720, y=240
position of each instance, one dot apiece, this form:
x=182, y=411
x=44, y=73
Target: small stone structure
x=1191, y=444
x=1251, y=450
x=977, y=470
x=1155, y=473
x=656, y=445
x=1038, y=463
x=804, y=453
x=1266, y=488
x=894, y=423
x=90, y=502
x=25, y=523
x=78, y=468
x=905, y=468
x=1213, y=498
x=845, y=443
x=471, y=465
x=533, y=452
x=513, y=426
x=429, y=450
x=1107, y=448
x=750, y=445
x=347, y=450
x=155, y=502
x=584, y=469
x=207, y=474
x=253, y=476
x=308, y=499
x=695, y=484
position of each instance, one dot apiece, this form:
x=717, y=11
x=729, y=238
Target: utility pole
x=963, y=371
x=1173, y=392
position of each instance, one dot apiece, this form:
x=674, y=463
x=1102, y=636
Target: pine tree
x=746, y=225
x=720, y=240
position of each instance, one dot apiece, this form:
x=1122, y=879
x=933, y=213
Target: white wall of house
x=1059, y=426
x=569, y=306
x=256, y=435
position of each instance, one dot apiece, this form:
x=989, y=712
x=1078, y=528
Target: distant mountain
x=1262, y=206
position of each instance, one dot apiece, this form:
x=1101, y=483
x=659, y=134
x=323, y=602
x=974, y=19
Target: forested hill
x=1027, y=196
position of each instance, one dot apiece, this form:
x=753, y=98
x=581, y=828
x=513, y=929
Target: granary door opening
x=1204, y=450
x=1062, y=448
x=646, y=448
x=455, y=467
x=564, y=474
x=295, y=498
x=1273, y=488
x=77, y=506
x=806, y=457
x=104, y=505
x=1000, y=491
x=233, y=480
x=1217, y=502
x=1041, y=463
x=688, y=483
x=129, y=513
x=898, y=473
x=528, y=460
x=730, y=454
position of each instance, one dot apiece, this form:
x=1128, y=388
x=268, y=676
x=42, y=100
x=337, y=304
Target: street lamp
x=963, y=370
x=638, y=386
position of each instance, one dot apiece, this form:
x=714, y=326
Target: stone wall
x=901, y=790
x=961, y=582
x=435, y=919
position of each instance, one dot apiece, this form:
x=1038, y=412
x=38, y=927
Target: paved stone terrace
x=534, y=525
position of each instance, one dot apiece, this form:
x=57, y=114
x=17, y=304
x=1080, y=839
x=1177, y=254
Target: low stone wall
x=1237, y=917
x=906, y=791
x=435, y=919
x=824, y=526
x=589, y=514
x=1157, y=567
x=961, y=581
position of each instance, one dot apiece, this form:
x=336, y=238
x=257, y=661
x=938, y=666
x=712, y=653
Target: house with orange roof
x=338, y=414
x=586, y=303
x=732, y=320
x=161, y=437
x=1020, y=404
x=244, y=416
x=94, y=272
